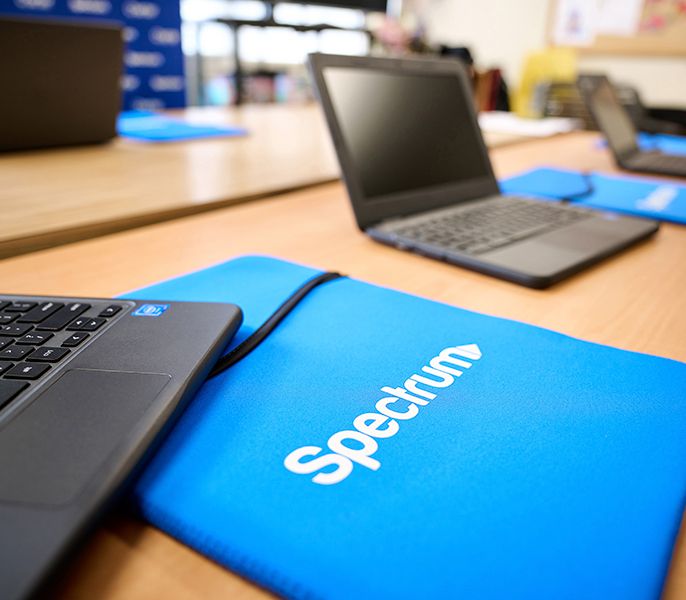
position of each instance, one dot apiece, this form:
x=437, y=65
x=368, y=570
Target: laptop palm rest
x=575, y=245
x=55, y=464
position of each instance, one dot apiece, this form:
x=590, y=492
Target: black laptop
x=87, y=387
x=620, y=133
x=60, y=83
x=419, y=177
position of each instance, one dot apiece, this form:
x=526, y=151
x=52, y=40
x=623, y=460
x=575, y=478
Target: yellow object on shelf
x=553, y=65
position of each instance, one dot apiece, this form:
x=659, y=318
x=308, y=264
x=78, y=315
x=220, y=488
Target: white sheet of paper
x=509, y=123
x=575, y=22
x=619, y=17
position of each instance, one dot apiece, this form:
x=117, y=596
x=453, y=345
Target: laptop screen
x=613, y=119
x=405, y=131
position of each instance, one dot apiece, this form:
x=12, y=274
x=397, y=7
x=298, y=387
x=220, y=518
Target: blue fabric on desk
x=552, y=468
x=154, y=127
x=670, y=144
x=640, y=196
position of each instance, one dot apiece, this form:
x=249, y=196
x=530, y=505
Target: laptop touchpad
x=68, y=432
x=553, y=252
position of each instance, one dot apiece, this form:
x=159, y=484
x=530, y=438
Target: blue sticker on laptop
x=150, y=310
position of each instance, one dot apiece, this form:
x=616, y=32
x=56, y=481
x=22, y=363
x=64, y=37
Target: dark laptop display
x=618, y=128
x=393, y=153
x=616, y=124
x=419, y=176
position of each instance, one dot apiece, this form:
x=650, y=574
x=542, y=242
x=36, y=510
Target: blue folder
x=670, y=144
x=380, y=445
x=154, y=127
x=640, y=196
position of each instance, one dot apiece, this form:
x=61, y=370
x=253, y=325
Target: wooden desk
x=633, y=301
x=56, y=196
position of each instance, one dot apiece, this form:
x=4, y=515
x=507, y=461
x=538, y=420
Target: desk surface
x=52, y=197
x=633, y=301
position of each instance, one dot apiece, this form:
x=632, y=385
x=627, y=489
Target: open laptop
x=60, y=83
x=87, y=388
x=618, y=128
x=419, y=177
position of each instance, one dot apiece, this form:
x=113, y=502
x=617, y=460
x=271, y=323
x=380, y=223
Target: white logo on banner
x=357, y=446
x=35, y=4
x=143, y=59
x=166, y=83
x=130, y=34
x=147, y=104
x=91, y=7
x=129, y=83
x=164, y=36
x=141, y=10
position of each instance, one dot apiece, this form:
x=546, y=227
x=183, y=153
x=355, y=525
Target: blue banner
x=153, y=60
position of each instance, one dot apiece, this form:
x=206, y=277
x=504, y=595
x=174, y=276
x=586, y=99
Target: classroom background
x=187, y=52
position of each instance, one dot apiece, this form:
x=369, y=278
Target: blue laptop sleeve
x=639, y=196
x=664, y=142
x=153, y=127
x=380, y=445
x=670, y=144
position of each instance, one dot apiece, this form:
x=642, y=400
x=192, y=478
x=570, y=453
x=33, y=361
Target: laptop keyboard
x=37, y=335
x=659, y=161
x=490, y=224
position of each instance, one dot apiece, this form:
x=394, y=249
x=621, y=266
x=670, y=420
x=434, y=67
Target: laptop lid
x=405, y=132
x=608, y=112
x=60, y=82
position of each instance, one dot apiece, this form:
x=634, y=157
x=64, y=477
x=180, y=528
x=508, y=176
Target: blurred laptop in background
x=419, y=176
x=61, y=85
x=619, y=131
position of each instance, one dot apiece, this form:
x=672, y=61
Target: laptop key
x=75, y=339
x=4, y=366
x=34, y=338
x=26, y=371
x=77, y=324
x=87, y=324
x=63, y=317
x=5, y=342
x=48, y=354
x=7, y=318
x=20, y=306
x=15, y=352
x=9, y=390
x=110, y=311
x=41, y=312
x=14, y=330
